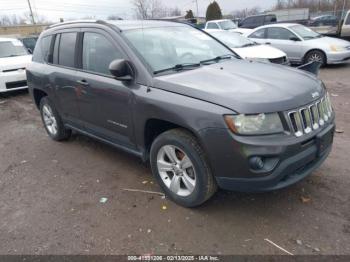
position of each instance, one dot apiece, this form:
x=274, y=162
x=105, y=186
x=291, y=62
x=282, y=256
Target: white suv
x=14, y=59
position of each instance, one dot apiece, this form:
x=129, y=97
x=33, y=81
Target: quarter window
x=98, y=53
x=45, y=47
x=279, y=33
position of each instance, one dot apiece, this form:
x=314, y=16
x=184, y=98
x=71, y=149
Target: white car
x=225, y=24
x=14, y=59
x=248, y=49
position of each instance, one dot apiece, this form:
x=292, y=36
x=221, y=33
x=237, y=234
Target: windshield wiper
x=11, y=56
x=179, y=67
x=217, y=59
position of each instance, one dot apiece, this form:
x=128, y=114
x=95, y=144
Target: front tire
x=52, y=121
x=179, y=164
x=316, y=56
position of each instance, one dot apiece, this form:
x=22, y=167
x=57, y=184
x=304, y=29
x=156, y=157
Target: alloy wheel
x=176, y=170
x=50, y=121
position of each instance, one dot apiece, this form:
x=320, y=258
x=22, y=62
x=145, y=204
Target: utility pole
x=31, y=12
x=197, y=8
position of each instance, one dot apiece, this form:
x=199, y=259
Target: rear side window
x=279, y=33
x=248, y=21
x=98, y=53
x=258, y=34
x=66, y=50
x=212, y=26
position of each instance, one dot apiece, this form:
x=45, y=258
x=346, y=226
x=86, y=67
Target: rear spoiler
x=312, y=67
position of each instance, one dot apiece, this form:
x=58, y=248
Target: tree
x=148, y=9
x=189, y=14
x=213, y=11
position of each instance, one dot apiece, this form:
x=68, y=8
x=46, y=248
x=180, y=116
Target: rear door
x=104, y=102
x=281, y=38
x=63, y=75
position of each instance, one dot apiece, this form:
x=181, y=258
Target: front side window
x=279, y=33
x=304, y=32
x=12, y=48
x=213, y=26
x=66, y=49
x=166, y=47
x=98, y=53
x=260, y=34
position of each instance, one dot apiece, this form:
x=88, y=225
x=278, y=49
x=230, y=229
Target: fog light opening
x=256, y=162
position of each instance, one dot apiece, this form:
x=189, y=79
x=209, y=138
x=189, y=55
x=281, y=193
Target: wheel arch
x=38, y=94
x=154, y=127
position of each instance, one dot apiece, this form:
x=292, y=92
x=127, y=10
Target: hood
x=8, y=63
x=259, y=51
x=245, y=87
x=327, y=41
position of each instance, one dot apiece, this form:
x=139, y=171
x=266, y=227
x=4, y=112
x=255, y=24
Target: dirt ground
x=50, y=196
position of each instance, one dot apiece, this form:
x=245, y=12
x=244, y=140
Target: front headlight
x=337, y=48
x=260, y=124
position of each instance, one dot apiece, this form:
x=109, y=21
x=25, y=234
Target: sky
x=100, y=9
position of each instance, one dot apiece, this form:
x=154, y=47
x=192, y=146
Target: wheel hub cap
x=176, y=170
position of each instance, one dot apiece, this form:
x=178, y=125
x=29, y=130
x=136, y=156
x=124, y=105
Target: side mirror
x=294, y=38
x=121, y=69
x=29, y=51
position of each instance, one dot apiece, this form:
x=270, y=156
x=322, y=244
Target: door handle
x=267, y=43
x=83, y=82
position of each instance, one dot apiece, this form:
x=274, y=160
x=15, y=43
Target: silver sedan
x=302, y=45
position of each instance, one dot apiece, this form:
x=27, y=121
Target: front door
x=104, y=102
x=286, y=41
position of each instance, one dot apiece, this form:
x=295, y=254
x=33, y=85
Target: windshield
x=12, y=48
x=167, y=47
x=227, y=25
x=304, y=32
x=233, y=40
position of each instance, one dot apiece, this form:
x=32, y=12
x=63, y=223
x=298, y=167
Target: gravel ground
x=50, y=197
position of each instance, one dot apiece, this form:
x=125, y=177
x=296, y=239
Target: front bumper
x=13, y=80
x=288, y=160
x=338, y=57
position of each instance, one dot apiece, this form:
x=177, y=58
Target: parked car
x=224, y=24
x=176, y=97
x=302, y=45
x=249, y=49
x=254, y=21
x=14, y=59
x=324, y=20
x=293, y=15
x=29, y=42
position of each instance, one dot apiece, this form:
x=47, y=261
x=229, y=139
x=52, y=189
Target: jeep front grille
x=306, y=119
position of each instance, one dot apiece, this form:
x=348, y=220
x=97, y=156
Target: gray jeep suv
x=180, y=99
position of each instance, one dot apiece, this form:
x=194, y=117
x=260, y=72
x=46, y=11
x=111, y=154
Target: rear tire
x=52, y=121
x=179, y=164
x=316, y=56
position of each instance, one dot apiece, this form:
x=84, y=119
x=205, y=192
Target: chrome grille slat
x=306, y=119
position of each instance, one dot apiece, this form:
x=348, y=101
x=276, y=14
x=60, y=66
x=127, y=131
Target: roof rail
x=75, y=22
